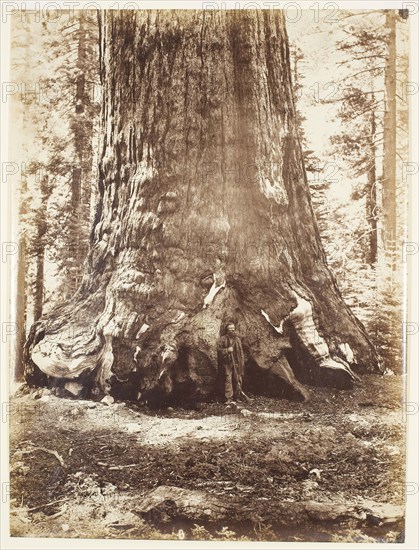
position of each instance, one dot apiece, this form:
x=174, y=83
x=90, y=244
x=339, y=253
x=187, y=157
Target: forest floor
x=83, y=469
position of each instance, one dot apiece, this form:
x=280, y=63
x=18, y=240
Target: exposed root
x=174, y=357
x=301, y=318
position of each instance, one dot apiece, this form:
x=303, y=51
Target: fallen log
x=167, y=502
x=368, y=511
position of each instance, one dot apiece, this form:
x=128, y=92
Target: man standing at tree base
x=232, y=360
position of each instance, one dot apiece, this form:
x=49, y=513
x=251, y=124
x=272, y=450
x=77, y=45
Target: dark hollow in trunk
x=204, y=215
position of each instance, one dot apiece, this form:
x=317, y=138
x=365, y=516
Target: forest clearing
x=266, y=460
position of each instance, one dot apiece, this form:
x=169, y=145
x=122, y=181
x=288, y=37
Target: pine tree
x=369, y=143
x=74, y=55
x=56, y=65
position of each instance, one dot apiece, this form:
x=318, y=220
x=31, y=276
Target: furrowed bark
x=204, y=215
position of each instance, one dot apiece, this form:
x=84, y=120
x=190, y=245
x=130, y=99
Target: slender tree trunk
x=371, y=197
x=41, y=230
x=39, y=282
x=204, y=215
x=390, y=125
x=23, y=260
x=79, y=212
x=21, y=304
x=40, y=246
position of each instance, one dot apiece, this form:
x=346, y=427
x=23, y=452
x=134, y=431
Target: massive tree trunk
x=204, y=215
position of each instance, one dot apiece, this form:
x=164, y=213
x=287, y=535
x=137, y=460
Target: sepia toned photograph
x=208, y=253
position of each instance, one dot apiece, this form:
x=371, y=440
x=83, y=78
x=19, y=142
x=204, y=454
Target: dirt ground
x=82, y=469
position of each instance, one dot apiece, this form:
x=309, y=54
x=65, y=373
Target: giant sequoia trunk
x=204, y=216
